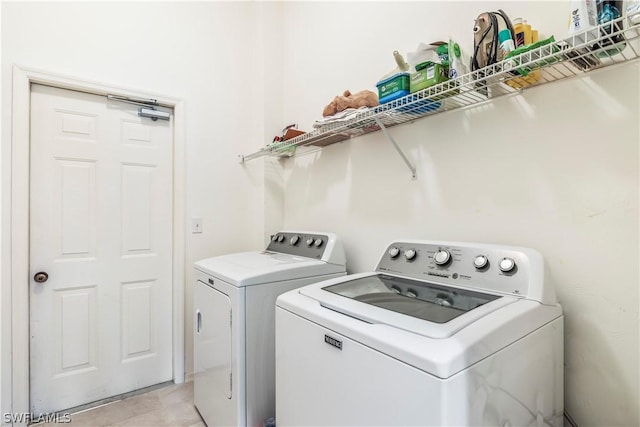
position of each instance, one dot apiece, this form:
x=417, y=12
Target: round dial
x=280, y=238
x=274, y=238
x=294, y=240
x=317, y=243
x=410, y=254
x=310, y=241
x=506, y=265
x=480, y=261
x=442, y=256
x=394, y=252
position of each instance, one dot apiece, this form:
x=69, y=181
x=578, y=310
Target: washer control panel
x=477, y=266
x=301, y=244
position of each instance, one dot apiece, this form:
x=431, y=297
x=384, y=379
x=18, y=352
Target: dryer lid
x=251, y=268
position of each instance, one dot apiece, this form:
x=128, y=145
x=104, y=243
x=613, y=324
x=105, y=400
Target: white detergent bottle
x=583, y=21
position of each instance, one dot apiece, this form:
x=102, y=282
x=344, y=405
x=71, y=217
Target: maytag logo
x=334, y=342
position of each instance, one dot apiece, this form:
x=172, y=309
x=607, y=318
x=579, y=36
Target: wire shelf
x=609, y=44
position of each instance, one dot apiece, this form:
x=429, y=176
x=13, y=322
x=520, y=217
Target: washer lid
x=251, y=268
x=425, y=308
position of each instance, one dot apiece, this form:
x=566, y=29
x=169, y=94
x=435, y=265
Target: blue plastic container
x=421, y=106
x=393, y=87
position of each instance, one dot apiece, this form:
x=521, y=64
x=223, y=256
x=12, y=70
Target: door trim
x=19, y=264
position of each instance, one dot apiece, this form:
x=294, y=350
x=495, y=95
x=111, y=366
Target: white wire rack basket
x=614, y=42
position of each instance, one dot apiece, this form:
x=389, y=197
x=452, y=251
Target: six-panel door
x=101, y=228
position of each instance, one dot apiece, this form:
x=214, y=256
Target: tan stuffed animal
x=364, y=98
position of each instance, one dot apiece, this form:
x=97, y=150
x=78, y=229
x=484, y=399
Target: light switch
x=196, y=225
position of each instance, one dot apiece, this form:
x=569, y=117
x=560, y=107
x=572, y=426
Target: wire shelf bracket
x=393, y=142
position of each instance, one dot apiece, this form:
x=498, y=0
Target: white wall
x=204, y=53
x=555, y=168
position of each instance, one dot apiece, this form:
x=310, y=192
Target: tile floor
x=167, y=406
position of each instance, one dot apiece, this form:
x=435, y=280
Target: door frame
x=20, y=145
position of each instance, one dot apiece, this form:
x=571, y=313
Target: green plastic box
x=427, y=74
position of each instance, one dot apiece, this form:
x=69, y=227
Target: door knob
x=41, y=277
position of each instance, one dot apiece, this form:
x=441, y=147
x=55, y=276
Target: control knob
x=442, y=257
x=394, y=252
x=294, y=240
x=317, y=243
x=506, y=265
x=274, y=238
x=480, y=261
x=410, y=254
x=310, y=241
x=280, y=238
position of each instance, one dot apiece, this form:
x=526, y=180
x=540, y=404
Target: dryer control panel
x=301, y=244
x=508, y=270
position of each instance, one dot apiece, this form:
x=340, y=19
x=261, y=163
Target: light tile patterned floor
x=167, y=406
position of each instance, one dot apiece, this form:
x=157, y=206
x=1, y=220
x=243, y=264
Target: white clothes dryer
x=234, y=304
x=440, y=334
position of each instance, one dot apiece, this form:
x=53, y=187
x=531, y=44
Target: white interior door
x=100, y=227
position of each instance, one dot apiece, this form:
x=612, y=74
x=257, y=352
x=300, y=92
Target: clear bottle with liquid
x=610, y=32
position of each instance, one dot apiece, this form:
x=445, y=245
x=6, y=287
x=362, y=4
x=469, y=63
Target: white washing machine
x=441, y=333
x=234, y=304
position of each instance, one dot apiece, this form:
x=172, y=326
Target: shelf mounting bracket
x=386, y=133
